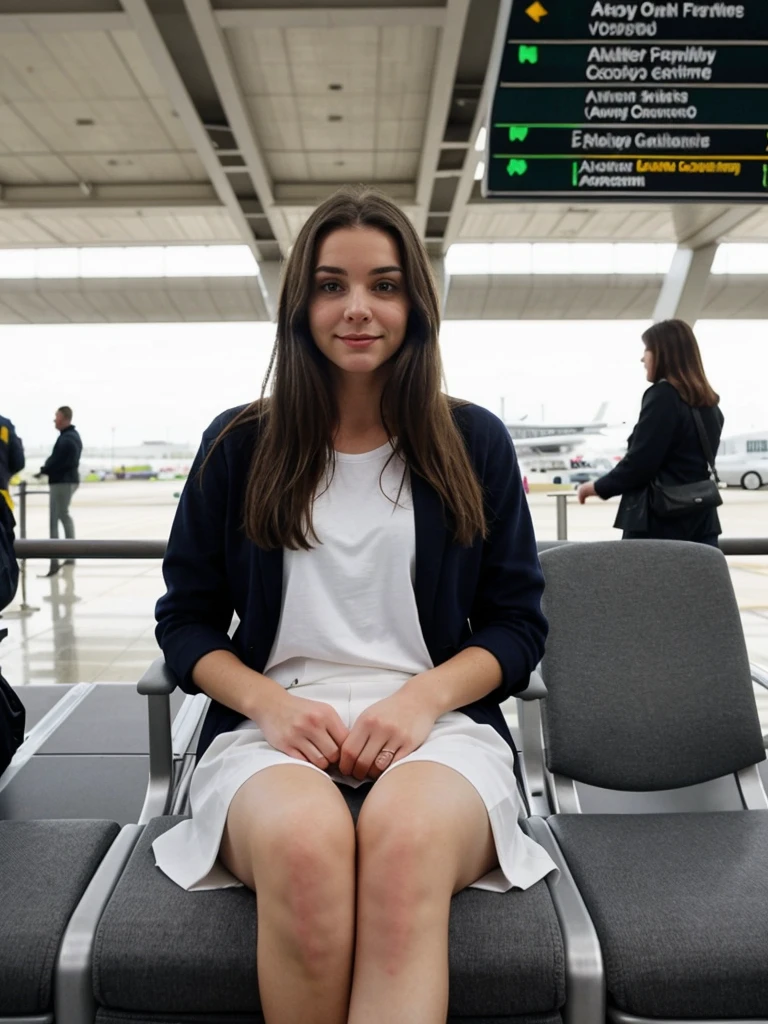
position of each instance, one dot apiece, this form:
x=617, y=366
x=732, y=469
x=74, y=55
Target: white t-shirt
x=349, y=603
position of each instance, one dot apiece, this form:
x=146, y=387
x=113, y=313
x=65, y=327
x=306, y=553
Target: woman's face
x=358, y=309
x=648, y=363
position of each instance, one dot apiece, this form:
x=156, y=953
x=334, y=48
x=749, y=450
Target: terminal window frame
x=756, y=446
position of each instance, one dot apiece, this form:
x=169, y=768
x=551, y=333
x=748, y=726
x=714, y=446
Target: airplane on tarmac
x=551, y=438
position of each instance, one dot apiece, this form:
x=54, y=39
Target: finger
x=326, y=745
x=367, y=756
x=313, y=755
x=382, y=761
x=336, y=728
x=351, y=749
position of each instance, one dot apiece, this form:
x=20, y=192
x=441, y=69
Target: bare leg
x=290, y=838
x=423, y=834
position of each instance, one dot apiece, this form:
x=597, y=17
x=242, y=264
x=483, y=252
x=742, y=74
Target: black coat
x=62, y=464
x=664, y=446
x=211, y=570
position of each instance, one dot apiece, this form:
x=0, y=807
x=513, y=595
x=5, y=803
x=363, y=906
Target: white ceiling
x=110, y=134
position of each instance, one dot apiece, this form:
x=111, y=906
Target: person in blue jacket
x=372, y=537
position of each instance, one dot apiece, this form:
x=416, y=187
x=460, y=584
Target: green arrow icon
x=516, y=167
x=518, y=133
x=765, y=175
x=528, y=54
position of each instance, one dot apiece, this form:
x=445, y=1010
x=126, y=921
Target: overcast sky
x=167, y=381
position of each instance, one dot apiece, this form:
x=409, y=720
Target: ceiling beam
x=95, y=21
x=441, y=94
x=464, y=187
x=22, y=198
x=151, y=39
x=352, y=17
x=219, y=61
x=693, y=234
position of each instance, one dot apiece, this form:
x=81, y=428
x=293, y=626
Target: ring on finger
x=384, y=758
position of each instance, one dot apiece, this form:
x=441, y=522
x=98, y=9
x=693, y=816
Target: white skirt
x=188, y=853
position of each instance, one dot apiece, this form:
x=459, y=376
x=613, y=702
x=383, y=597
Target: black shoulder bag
x=668, y=501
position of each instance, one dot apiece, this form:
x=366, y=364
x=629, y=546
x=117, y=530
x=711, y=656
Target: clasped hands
x=313, y=731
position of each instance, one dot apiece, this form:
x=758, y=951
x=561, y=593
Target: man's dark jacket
x=212, y=570
x=664, y=446
x=11, y=452
x=63, y=462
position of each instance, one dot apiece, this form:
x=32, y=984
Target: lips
x=358, y=340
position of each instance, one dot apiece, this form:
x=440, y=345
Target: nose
x=358, y=307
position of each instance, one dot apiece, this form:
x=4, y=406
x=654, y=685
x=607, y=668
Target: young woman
x=665, y=446
x=373, y=537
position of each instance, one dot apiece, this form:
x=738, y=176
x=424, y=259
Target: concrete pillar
x=442, y=280
x=684, y=289
x=269, y=283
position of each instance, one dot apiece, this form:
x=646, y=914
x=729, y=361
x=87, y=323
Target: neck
x=359, y=397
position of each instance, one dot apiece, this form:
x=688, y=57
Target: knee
x=401, y=858
x=305, y=884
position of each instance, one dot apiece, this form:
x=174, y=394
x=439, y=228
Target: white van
x=743, y=461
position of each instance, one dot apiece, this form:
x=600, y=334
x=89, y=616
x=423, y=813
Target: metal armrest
x=74, y=1000
x=535, y=689
x=584, y=973
x=529, y=719
x=759, y=676
x=157, y=684
x=158, y=679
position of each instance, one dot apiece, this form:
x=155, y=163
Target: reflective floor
x=94, y=622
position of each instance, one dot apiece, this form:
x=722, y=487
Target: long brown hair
x=677, y=358
x=296, y=422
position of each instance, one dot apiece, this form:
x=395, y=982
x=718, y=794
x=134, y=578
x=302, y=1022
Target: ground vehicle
x=742, y=461
x=747, y=471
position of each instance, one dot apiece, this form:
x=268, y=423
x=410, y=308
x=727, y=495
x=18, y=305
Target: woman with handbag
x=667, y=480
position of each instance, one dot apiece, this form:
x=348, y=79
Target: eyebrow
x=343, y=273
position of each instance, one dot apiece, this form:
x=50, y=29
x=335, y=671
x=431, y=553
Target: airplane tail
x=600, y=416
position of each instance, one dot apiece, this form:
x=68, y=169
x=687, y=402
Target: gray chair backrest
x=647, y=674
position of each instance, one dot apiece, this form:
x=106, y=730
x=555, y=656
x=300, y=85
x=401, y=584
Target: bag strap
x=704, y=438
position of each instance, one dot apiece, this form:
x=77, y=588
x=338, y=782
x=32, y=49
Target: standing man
x=61, y=468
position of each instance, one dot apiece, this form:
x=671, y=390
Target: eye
x=329, y=287
x=386, y=286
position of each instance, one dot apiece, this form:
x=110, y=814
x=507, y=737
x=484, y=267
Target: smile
x=358, y=340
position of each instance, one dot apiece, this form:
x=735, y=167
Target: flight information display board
x=630, y=100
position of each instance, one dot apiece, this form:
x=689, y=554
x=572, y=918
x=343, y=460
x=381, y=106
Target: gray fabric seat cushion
x=120, y=1017
x=45, y=867
x=161, y=950
x=680, y=903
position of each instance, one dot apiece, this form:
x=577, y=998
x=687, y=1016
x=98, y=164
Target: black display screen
x=631, y=100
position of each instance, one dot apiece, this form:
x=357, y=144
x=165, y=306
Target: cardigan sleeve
x=506, y=617
x=194, y=615
x=648, y=445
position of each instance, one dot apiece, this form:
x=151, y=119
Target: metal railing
x=156, y=548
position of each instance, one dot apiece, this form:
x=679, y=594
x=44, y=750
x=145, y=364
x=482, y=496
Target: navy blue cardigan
x=487, y=595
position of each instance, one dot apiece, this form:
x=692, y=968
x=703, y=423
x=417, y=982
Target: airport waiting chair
x=84, y=759
x=160, y=953
x=45, y=868
x=649, y=693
